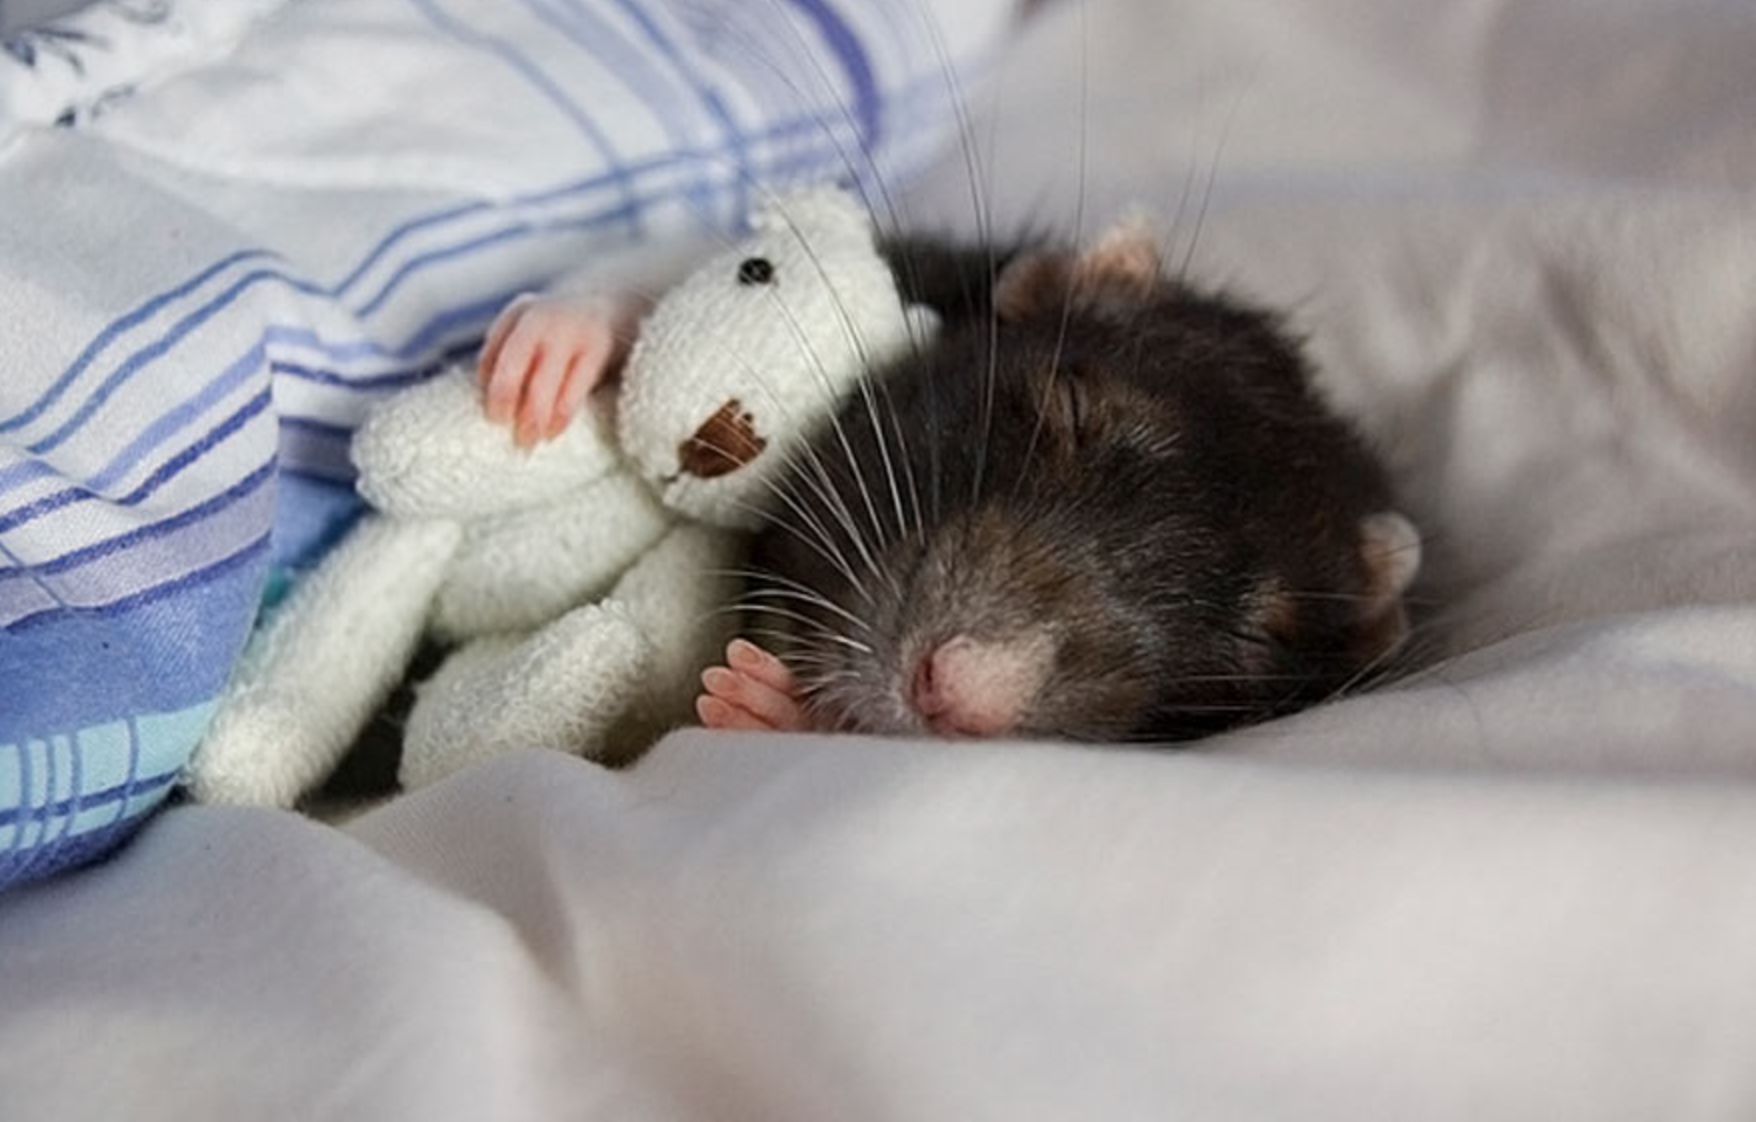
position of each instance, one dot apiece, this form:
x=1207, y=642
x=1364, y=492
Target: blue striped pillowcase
x=218, y=274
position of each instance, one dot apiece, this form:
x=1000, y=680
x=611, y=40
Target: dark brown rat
x=1126, y=514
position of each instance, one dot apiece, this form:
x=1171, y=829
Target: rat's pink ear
x=1390, y=546
x=1032, y=284
x=1125, y=259
x=1115, y=276
x=1377, y=623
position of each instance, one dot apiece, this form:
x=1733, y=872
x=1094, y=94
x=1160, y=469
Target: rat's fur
x=1096, y=457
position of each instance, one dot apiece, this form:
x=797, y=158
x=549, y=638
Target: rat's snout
x=967, y=687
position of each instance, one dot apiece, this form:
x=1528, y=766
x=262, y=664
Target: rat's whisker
x=1219, y=149
x=908, y=464
x=1342, y=597
x=801, y=508
x=1221, y=707
x=814, y=540
x=815, y=599
x=983, y=222
x=765, y=577
x=826, y=489
x=815, y=363
x=823, y=485
x=818, y=626
x=788, y=499
x=1168, y=243
x=863, y=384
x=1077, y=240
x=1366, y=673
x=866, y=549
x=859, y=181
x=1245, y=679
x=790, y=650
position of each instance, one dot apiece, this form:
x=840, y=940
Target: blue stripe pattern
x=136, y=544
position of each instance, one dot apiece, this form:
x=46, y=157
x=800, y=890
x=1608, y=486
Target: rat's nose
x=964, y=687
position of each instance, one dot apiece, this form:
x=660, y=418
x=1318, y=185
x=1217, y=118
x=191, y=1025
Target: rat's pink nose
x=964, y=687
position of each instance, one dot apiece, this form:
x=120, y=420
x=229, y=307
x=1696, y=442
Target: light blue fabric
x=19, y=15
x=215, y=276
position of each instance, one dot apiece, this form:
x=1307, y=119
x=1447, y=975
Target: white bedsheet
x=751, y=929
x=1520, y=884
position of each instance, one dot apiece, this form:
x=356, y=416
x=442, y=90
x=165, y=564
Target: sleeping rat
x=1126, y=514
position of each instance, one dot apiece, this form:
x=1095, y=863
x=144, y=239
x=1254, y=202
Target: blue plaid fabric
x=204, y=284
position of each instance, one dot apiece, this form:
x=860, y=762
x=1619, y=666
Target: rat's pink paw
x=756, y=691
x=542, y=357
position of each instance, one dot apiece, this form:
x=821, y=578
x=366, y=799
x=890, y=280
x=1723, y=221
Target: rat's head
x=739, y=360
x=1120, y=514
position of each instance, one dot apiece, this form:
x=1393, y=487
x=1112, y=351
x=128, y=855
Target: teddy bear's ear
x=923, y=323
x=816, y=213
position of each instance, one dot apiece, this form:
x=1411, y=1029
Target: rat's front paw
x=543, y=356
x=754, y=690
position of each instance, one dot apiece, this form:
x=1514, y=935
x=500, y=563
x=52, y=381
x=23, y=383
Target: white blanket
x=1520, y=884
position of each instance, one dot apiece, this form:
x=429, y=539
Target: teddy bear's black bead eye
x=755, y=270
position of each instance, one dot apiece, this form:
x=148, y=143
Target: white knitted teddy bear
x=508, y=552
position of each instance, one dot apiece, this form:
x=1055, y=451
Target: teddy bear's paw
x=260, y=750
x=563, y=687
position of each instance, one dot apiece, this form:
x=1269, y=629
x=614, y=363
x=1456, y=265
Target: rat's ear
x=1375, y=623
x=1390, y=546
x=923, y=323
x=1115, y=276
x=1032, y=284
x=1124, y=261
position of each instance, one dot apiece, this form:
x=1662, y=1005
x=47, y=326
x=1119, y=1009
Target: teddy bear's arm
x=544, y=354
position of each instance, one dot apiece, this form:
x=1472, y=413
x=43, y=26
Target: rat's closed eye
x=755, y=270
x=1072, y=401
x=1064, y=406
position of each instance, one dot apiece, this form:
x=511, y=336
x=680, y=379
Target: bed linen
x=1520, y=883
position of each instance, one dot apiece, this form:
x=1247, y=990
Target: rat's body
x=1100, y=505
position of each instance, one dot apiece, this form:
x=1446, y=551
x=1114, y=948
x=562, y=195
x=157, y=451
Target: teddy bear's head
x=737, y=364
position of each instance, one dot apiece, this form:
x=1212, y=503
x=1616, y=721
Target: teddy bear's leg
x=309, y=681
x=560, y=687
x=680, y=595
x=600, y=681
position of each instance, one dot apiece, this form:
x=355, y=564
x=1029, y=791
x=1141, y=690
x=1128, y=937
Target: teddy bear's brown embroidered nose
x=724, y=443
